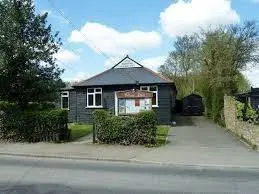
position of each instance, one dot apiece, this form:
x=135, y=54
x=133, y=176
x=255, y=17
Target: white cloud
x=79, y=76
x=186, y=17
x=66, y=56
x=113, y=42
x=154, y=62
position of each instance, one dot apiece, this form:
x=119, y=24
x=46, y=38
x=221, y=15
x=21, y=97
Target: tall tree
x=183, y=64
x=226, y=51
x=28, y=72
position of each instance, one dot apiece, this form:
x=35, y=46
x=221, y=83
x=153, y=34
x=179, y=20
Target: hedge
x=246, y=113
x=135, y=129
x=32, y=125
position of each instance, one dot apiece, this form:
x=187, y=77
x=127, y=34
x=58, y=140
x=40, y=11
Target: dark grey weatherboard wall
x=78, y=112
x=255, y=102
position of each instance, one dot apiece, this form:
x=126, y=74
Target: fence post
x=94, y=133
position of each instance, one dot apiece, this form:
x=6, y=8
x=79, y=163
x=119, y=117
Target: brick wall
x=246, y=130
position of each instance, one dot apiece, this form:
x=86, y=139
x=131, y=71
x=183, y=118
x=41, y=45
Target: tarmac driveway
x=199, y=132
x=198, y=141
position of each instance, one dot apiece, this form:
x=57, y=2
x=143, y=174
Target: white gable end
x=127, y=63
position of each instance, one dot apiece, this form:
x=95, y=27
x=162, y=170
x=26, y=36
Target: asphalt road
x=40, y=175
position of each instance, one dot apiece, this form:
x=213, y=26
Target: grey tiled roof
x=123, y=76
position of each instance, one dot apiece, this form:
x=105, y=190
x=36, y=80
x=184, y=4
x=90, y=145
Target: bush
x=135, y=129
x=246, y=113
x=31, y=125
x=41, y=106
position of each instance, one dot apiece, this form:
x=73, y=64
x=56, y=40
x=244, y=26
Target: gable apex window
x=94, y=98
x=65, y=100
x=153, y=89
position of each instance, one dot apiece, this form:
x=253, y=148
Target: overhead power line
x=61, y=13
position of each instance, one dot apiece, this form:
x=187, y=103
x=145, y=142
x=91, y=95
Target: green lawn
x=79, y=130
x=161, y=134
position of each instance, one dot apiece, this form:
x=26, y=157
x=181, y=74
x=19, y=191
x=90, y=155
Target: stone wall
x=245, y=130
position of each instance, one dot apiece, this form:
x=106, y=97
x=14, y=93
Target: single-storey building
x=126, y=88
x=251, y=97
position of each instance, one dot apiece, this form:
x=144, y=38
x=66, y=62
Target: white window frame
x=94, y=93
x=64, y=94
x=156, y=92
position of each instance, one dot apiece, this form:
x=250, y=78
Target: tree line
x=211, y=62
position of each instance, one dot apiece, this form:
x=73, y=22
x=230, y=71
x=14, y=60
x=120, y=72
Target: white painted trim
x=94, y=107
x=116, y=103
x=148, y=89
x=61, y=100
x=94, y=93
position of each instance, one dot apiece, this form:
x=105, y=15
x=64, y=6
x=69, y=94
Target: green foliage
x=135, y=129
x=32, y=126
x=28, y=72
x=246, y=113
x=243, y=84
x=251, y=115
x=41, y=106
x=240, y=109
x=222, y=54
x=182, y=65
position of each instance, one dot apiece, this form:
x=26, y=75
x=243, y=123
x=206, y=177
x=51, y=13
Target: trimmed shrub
x=146, y=127
x=32, y=126
x=135, y=129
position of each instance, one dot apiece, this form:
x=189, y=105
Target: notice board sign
x=134, y=101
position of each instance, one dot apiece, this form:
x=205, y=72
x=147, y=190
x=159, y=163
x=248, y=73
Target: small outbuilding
x=192, y=105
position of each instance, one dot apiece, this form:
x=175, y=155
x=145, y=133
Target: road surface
x=42, y=175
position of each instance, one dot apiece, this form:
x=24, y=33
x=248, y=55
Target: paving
x=198, y=141
x=194, y=141
x=74, y=151
x=87, y=139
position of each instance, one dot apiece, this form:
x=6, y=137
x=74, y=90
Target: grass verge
x=161, y=134
x=79, y=130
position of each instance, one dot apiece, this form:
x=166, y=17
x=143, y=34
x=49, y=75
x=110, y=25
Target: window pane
x=122, y=106
x=154, y=99
x=153, y=88
x=98, y=99
x=98, y=90
x=64, y=102
x=144, y=88
x=90, y=90
x=90, y=100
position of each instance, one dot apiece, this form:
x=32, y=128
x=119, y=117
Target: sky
x=96, y=34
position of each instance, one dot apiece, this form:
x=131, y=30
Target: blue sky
x=144, y=29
